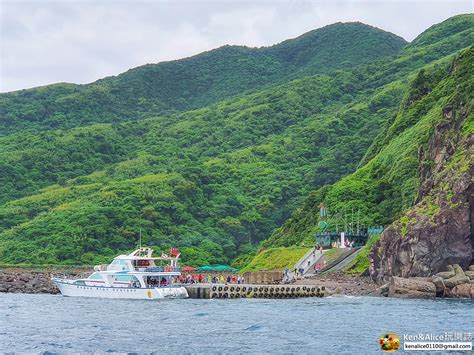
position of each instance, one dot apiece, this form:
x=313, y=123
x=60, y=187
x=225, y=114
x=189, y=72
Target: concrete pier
x=232, y=291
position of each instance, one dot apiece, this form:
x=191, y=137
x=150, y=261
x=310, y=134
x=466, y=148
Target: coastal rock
x=470, y=274
x=446, y=274
x=25, y=281
x=411, y=288
x=456, y=280
x=465, y=290
x=471, y=268
x=383, y=290
x=439, y=284
x=438, y=230
x=458, y=271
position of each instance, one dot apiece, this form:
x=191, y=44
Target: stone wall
x=263, y=277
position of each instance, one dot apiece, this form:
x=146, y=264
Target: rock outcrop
x=411, y=288
x=18, y=280
x=443, y=284
x=438, y=230
x=26, y=282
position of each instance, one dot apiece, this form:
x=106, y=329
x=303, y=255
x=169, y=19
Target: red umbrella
x=188, y=268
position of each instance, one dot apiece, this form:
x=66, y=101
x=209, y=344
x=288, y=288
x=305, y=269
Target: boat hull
x=72, y=290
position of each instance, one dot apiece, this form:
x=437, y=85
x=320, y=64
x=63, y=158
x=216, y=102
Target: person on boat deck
x=221, y=279
x=163, y=282
x=200, y=278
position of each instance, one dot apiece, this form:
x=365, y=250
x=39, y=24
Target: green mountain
x=182, y=85
x=381, y=189
x=389, y=179
x=215, y=166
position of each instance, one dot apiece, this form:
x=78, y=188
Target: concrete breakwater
x=232, y=291
x=18, y=280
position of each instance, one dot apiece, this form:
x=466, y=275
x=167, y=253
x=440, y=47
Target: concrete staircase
x=312, y=256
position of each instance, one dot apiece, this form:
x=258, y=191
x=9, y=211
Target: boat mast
x=140, y=243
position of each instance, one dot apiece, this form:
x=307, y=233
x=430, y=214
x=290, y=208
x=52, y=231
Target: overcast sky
x=80, y=41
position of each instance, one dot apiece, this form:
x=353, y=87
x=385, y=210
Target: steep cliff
x=417, y=174
x=438, y=230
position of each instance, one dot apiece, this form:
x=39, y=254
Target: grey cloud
x=80, y=41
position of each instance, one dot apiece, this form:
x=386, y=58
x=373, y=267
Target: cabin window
x=96, y=276
x=122, y=278
x=127, y=278
x=119, y=262
x=143, y=263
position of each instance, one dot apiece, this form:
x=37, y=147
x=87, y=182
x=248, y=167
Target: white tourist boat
x=134, y=276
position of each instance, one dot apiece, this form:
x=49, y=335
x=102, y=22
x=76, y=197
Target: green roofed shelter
x=218, y=268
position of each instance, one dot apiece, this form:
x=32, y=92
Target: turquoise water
x=47, y=323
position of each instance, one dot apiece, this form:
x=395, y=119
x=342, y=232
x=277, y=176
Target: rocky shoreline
x=22, y=280
x=342, y=284
x=453, y=283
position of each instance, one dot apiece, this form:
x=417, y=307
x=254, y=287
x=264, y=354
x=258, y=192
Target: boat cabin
x=137, y=270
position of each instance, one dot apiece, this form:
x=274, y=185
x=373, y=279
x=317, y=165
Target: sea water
x=52, y=323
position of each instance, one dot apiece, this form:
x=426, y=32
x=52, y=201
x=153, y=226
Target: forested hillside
x=387, y=184
x=83, y=168
x=194, y=82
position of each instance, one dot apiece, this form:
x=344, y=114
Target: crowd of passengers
x=154, y=281
x=199, y=278
x=195, y=279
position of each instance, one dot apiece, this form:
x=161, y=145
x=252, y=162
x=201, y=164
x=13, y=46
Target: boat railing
x=63, y=275
x=161, y=269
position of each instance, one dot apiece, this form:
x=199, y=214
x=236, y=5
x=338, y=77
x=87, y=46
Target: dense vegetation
x=387, y=184
x=194, y=82
x=276, y=259
x=204, y=175
x=84, y=168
